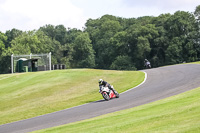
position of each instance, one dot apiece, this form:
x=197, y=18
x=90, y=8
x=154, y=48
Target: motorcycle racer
x=105, y=84
x=147, y=64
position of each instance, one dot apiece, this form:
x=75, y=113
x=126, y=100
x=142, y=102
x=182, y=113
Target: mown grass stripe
x=179, y=113
x=27, y=95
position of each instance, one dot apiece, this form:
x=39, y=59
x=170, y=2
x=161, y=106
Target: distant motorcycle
x=107, y=93
x=148, y=65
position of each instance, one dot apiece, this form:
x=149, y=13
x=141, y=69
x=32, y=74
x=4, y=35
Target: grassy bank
x=195, y=62
x=27, y=95
x=179, y=113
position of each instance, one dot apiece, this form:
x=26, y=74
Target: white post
x=30, y=55
x=12, y=63
x=50, y=61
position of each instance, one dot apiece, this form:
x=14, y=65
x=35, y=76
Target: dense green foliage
x=111, y=42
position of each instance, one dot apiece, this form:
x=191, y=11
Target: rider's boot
x=113, y=90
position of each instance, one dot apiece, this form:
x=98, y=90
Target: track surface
x=161, y=83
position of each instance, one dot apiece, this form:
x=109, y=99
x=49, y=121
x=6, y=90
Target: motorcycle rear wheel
x=117, y=94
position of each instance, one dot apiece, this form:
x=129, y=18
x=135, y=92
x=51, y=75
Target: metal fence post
x=50, y=61
x=12, y=63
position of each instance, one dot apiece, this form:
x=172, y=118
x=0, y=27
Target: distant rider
x=147, y=63
x=105, y=84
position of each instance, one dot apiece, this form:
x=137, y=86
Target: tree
x=123, y=63
x=11, y=35
x=191, y=52
x=161, y=42
x=197, y=12
x=180, y=24
x=183, y=32
x=49, y=30
x=60, y=34
x=3, y=39
x=141, y=39
x=174, y=51
x=143, y=48
x=120, y=44
x=67, y=55
x=83, y=55
x=28, y=43
x=4, y=55
x=197, y=41
x=71, y=35
x=67, y=49
x=36, y=42
x=101, y=32
x=5, y=61
x=145, y=20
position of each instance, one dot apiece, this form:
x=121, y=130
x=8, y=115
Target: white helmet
x=100, y=81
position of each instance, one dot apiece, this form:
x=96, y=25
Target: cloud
x=97, y=8
x=175, y=4
x=32, y=14
x=157, y=7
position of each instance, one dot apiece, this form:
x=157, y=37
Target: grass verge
x=27, y=95
x=180, y=113
x=198, y=62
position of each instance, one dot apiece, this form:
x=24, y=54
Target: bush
x=123, y=63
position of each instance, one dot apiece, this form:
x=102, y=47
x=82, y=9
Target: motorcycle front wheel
x=105, y=96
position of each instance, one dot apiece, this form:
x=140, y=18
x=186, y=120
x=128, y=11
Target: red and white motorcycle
x=107, y=93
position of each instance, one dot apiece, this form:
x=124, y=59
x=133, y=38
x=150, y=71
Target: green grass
x=198, y=62
x=27, y=95
x=177, y=114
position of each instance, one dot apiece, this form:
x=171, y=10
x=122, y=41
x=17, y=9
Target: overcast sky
x=31, y=14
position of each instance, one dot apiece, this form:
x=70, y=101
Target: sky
x=28, y=15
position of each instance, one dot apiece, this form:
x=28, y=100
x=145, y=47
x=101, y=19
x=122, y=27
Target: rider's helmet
x=100, y=81
x=145, y=60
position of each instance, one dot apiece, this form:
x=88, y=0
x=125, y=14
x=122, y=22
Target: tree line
x=111, y=42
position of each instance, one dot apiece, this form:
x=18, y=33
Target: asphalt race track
x=160, y=83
